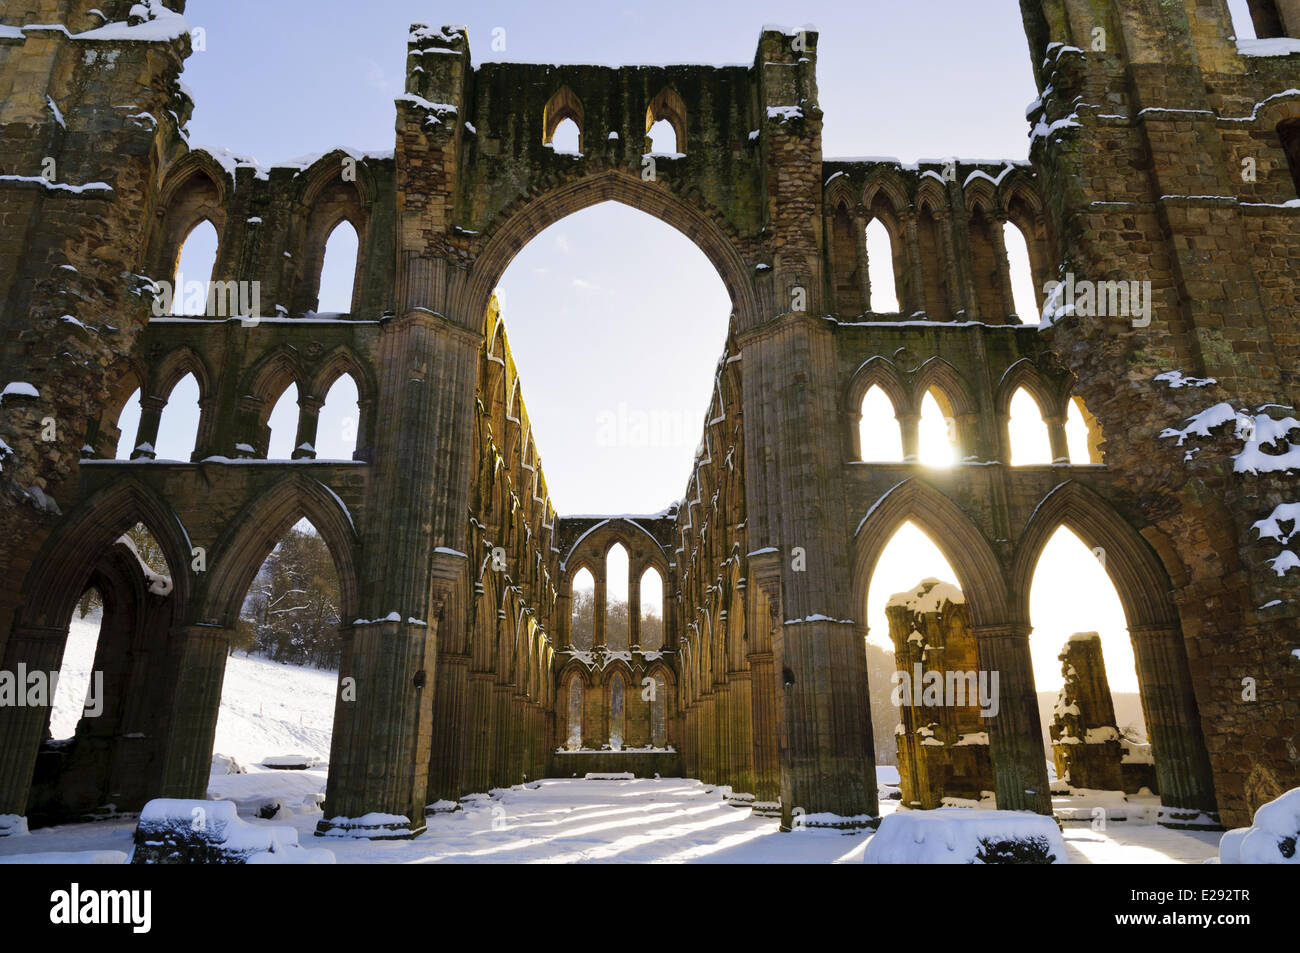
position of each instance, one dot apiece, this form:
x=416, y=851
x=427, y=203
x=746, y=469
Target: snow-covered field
x=267, y=709
x=270, y=710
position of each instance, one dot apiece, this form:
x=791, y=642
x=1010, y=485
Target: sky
x=614, y=318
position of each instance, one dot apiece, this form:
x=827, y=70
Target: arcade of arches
x=456, y=575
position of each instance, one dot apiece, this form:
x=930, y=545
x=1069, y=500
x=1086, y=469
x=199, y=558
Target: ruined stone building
x=1158, y=153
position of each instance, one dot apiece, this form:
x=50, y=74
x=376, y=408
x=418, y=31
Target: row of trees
x=291, y=613
x=617, y=631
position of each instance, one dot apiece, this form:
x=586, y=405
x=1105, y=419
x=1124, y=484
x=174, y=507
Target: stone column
x=598, y=609
x=633, y=608
x=29, y=649
x=1015, y=731
x=1056, y=435
x=860, y=251
x=501, y=693
x=450, y=707
x=1173, y=722
x=198, y=661
x=379, y=756
x=741, y=729
x=1004, y=436
x=595, y=723
x=151, y=409
x=478, y=773
x=915, y=282
x=967, y=435
x=910, y=424
x=308, y=421
x=951, y=279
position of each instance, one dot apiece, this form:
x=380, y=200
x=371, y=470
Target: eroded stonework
x=456, y=572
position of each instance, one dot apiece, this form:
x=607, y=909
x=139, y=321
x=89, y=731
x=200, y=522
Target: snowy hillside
x=267, y=709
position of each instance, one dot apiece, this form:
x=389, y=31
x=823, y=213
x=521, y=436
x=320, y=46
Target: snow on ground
x=665, y=820
x=270, y=709
x=267, y=709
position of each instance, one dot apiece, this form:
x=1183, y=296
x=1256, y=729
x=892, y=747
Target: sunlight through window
x=1030, y=443
x=938, y=433
x=882, y=440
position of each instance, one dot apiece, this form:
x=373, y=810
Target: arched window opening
x=652, y=610
x=80, y=689
x=616, y=720
x=574, y=736
x=128, y=425
x=665, y=123
x=663, y=138
x=583, y=607
x=340, y=416
x=562, y=121
x=1256, y=19
x=878, y=430
x=567, y=138
x=909, y=557
x=1078, y=435
x=178, y=427
x=1030, y=442
x=290, y=617
x=616, y=608
x=338, y=270
x=283, y=423
x=194, y=267
x=1070, y=597
x=1288, y=132
x=659, y=713
x=72, y=695
x=880, y=268
x=937, y=431
x=1023, y=292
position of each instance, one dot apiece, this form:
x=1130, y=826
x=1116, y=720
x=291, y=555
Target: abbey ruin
x=1160, y=158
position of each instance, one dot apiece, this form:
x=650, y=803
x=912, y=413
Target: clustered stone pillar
x=146, y=435
x=1015, y=735
x=199, y=653
x=29, y=649
x=1174, y=726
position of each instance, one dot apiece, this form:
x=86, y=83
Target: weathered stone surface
x=453, y=574
x=1085, y=738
